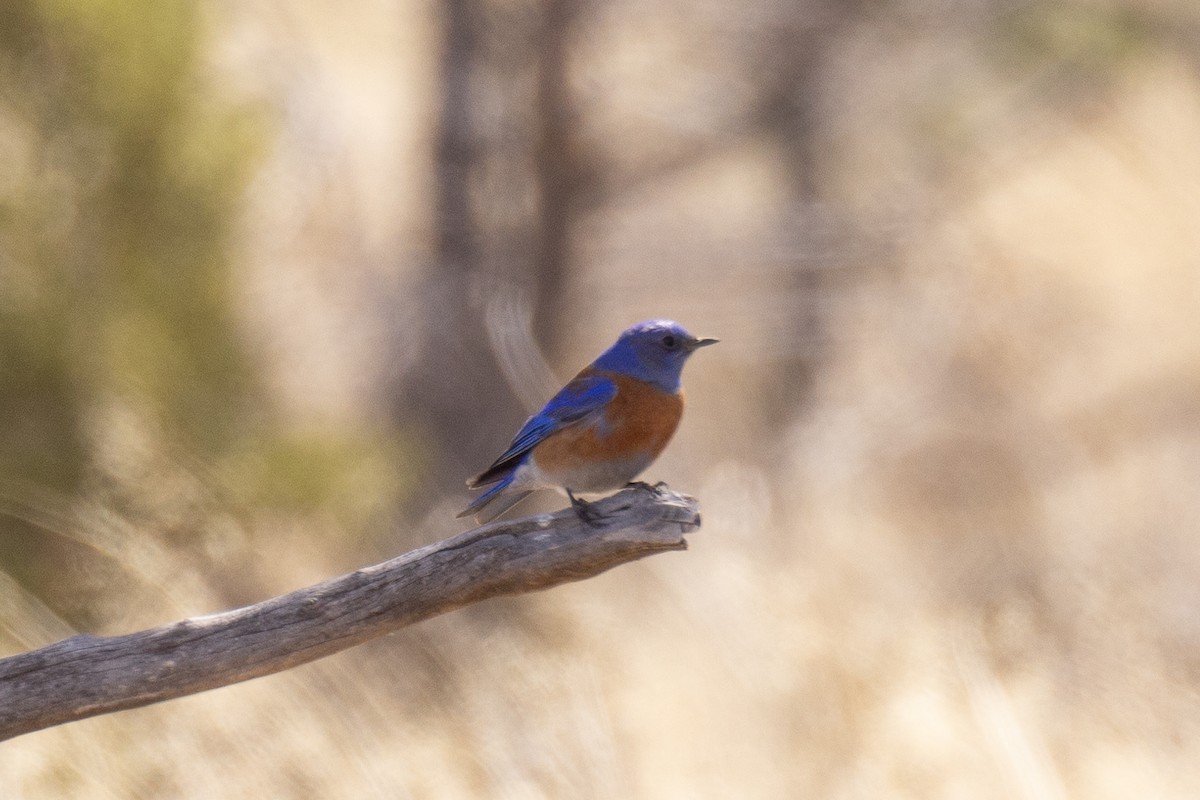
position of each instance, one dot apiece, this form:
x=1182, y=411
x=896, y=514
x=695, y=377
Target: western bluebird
x=602, y=429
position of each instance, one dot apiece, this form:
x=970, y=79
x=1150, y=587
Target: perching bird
x=602, y=429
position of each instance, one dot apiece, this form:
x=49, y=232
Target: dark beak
x=696, y=344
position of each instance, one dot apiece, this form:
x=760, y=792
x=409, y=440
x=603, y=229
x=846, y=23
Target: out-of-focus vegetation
x=275, y=279
x=121, y=187
x=127, y=378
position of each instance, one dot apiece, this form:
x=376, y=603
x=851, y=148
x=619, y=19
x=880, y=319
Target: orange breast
x=635, y=427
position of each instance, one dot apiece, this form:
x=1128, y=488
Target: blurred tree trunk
x=561, y=171
x=455, y=392
x=790, y=114
x=507, y=182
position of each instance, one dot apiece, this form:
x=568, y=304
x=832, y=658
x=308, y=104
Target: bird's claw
x=655, y=489
x=587, y=514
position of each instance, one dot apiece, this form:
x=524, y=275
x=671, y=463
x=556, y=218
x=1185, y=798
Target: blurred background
x=275, y=278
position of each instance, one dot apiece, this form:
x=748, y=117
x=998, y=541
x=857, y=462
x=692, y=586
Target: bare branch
x=84, y=676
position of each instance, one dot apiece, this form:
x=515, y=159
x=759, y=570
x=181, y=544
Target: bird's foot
x=585, y=511
x=654, y=489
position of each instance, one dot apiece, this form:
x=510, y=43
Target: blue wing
x=578, y=400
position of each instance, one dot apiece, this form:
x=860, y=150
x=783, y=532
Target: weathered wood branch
x=84, y=676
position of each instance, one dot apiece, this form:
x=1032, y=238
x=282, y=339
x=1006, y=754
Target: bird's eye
x=670, y=341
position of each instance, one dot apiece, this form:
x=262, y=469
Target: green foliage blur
x=119, y=191
x=116, y=216
x=114, y=221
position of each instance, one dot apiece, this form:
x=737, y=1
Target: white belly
x=601, y=477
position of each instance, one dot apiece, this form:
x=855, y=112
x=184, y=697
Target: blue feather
x=495, y=494
x=579, y=399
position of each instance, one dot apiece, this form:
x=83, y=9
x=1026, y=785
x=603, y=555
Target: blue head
x=652, y=351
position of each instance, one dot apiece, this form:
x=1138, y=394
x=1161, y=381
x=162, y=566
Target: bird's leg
x=583, y=509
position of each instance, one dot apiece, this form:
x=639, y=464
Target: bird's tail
x=494, y=502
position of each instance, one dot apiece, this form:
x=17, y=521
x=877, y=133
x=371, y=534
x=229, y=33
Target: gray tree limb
x=85, y=676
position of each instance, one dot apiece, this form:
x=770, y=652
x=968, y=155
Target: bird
x=601, y=430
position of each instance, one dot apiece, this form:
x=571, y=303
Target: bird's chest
x=613, y=448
